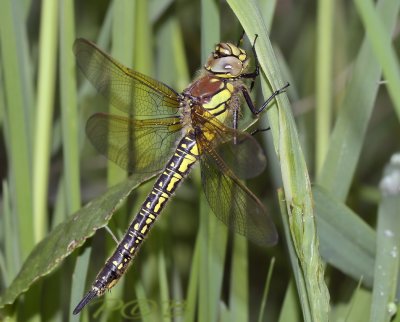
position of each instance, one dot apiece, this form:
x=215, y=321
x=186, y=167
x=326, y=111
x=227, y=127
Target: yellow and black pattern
x=177, y=168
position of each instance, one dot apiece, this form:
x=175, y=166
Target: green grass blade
x=17, y=120
x=164, y=288
x=296, y=184
x=44, y=116
x=124, y=18
x=299, y=278
x=213, y=239
x=266, y=289
x=69, y=113
x=146, y=311
x=387, y=262
x=11, y=259
x=354, y=308
x=340, y=228
x=323, y=83
x=267, y=7
x=239, y=285
x=350, y=128
x=290, y=309
x=79, y=284
x=381, y=41
x=194, y=282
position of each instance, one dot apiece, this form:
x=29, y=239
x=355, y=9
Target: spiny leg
x=250, y=103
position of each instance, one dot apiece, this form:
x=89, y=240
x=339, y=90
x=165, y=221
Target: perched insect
x=195, y=122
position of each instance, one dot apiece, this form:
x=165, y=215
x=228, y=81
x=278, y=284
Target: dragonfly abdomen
x=180, y=164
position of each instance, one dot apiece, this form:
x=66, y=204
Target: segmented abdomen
x=177, y=168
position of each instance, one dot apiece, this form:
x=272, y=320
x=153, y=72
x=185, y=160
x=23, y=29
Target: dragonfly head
x=227, y=60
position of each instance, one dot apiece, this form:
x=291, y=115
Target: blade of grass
x=193, y=285
x=338, y=223
x=353, y=309
x=122, y=49
x=44, y=116
x=300, y=282
x=11, y=259
x=267, y=7
x=349, y=131
x=146, y=311
x=296, y=184
x=213, y=239
x=388, y=244
x=323, y=83
x=79, y=283
x=381, y=41
x=290, y=310
x=239, y=284
x=69, y=114
x=17, y=118
x=266, y=289
x=164, y=287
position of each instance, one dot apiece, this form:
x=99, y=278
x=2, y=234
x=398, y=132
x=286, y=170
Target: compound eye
x=225, y=65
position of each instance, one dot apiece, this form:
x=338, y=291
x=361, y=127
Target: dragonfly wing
x=139, y=146
x=239, y=150
x=233, y=203
x=128, y=90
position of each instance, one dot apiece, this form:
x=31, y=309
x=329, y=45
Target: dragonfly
x=166, y=133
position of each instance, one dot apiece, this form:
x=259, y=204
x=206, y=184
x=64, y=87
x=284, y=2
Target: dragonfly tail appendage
x=85, y=300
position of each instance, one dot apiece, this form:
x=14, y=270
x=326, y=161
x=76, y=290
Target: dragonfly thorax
x=227, y=61
x=212, y=94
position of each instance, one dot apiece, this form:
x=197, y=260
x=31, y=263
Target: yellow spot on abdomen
x=172, y=183
x=160, y=201
x=194, y=150
x=186, y=162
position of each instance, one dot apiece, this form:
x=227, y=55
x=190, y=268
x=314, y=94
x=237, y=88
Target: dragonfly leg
x=250, y=103
x=260, y=130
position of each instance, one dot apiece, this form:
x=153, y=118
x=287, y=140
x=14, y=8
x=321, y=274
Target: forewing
x=139, y=146
x=239, y=150
x=233, y=203
x=128, y=90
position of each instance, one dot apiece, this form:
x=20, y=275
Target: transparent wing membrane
x=128, y=90
x=239, y=150
x=233, y=203
x=139, y=146
x=225, y=155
